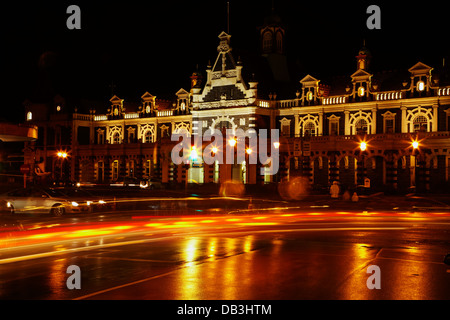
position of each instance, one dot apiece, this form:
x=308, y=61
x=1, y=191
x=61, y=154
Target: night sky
x=155, y=46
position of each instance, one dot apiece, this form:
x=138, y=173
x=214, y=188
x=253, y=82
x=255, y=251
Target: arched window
x=29, y=116
x=267, y=41
x=420, y=123
x=116, y=138
x=148, y=137
x=310, y=129
x=279, y=42
x=361, y=126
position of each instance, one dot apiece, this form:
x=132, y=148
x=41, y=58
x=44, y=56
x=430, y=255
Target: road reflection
x=200, y=274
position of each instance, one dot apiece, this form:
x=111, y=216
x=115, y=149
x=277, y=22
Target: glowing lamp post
x=61, y=155
x=363, y=148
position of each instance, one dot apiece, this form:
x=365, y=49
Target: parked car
x=38, y=200
x=126, y=182
x=151, y=184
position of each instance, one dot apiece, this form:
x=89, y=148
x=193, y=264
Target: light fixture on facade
x=420, y=86
x=363, y=146
x=361, y=91
x=194, y=154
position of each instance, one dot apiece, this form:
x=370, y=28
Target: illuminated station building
x=389, y=129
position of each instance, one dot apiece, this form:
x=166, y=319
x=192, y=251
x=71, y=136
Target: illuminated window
x=420, y=86
x=29, y=116
x=361, y=91
x=147, y=109
x=309, y=96
x=58, y=108
x=216, y=171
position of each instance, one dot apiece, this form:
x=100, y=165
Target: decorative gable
x=309, y=81
x=360, y=75
x=420, y=69
x=117, y=108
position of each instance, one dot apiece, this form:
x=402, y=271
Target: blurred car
x=86, y=201
x=38, y=200
x=151, y=184
x=126, y=182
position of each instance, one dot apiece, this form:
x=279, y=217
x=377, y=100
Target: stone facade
x=321, y=129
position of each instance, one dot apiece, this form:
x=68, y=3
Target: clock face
x=147, y=109
x=116, y=111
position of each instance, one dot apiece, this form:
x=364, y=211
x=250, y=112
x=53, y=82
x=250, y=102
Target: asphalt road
x=277, y=255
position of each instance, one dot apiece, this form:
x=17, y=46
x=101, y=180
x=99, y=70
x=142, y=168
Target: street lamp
x=415, y=145
x=61, y=155
x=363, y=148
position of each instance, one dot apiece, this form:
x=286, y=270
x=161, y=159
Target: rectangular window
x=216, y=171
x=389, y=126
x=131, y=168
x=148, y=169
x=285, y=129
x=334, y=128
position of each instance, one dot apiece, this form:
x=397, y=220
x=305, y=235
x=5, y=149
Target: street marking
x=125, y=285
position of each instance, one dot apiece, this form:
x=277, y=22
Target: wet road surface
x=279, y=255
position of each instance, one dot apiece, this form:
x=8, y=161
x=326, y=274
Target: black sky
x=155, y=46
